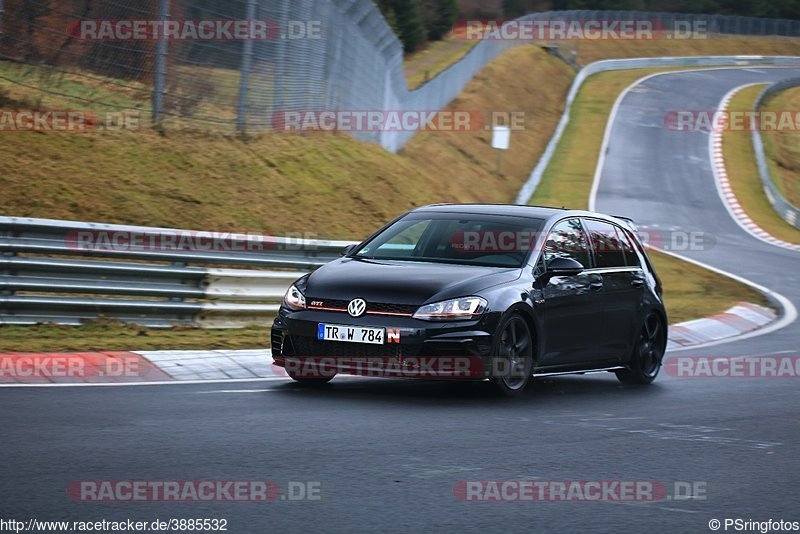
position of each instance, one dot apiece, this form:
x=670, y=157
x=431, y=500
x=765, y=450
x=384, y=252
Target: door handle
x=638, y=283
x=596, y=286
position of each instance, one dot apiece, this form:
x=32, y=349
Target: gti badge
x=357, y=307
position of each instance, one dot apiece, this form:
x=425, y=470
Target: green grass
x=104, y=336
x=66, y=90
x=201, y=92
x=689, y=291
x=422, y=66
x=740, y=162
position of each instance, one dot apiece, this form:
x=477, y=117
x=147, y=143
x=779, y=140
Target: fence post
x=160, y=72
x=244, y=78
x=334, y=53
x=1, y=19
x=280, y=60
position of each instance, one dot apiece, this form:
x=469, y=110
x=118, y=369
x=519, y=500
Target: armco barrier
x=72, y=272
x=785, y=209
x=529, y=188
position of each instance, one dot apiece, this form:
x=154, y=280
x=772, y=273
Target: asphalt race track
x=388, y=454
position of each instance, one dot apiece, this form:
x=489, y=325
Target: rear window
x=631, y=258
x=606, y=244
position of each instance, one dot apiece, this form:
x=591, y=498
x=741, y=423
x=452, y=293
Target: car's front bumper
x=412, y=349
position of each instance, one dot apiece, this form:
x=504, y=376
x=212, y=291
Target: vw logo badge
x=357, y=307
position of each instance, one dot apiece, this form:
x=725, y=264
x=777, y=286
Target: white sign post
x=501, y=140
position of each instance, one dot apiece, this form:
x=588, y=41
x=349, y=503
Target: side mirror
x=560, y=267
x=348, y=249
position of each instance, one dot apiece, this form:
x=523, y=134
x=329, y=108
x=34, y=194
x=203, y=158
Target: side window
x=607, y=246
x=631, y=258
x=568, y=240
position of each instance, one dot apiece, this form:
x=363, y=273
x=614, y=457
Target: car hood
x=402, y=282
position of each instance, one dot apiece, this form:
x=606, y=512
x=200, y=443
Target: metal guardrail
x=529, y=188
x=72, y=272
x=787, y=211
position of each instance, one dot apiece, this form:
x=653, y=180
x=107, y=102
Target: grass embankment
x=783, y=147
x=326, y=184
x=689, y=291
x=589, y=51
x=783, y=155
x=425, y=64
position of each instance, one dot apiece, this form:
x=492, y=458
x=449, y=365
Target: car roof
x=538, y=212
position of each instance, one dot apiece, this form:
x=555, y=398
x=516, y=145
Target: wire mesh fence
x=243, y=65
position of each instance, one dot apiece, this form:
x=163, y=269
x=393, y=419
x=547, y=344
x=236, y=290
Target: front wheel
x=513, y=356
x=647, y=354
x=311, y=382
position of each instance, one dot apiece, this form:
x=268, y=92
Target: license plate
x=351, y=334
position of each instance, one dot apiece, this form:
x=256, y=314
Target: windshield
x=459, y=238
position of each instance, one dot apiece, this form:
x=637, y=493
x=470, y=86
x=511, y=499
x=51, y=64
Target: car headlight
x=294, y=300
x=453, y=310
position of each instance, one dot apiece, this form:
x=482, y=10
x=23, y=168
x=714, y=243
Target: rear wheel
x=647, y=354
x=513, y=356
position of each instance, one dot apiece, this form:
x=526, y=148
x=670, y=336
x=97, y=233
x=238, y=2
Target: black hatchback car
x=491, y=292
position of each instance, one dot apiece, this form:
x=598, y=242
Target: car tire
x=512, y=354
x=647, y=355
x=311, y=382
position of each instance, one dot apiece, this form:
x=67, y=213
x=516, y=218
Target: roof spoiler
x=631, y=222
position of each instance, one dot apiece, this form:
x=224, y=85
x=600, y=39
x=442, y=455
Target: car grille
x=372, y=307
x=310, y=347
x=391, y=308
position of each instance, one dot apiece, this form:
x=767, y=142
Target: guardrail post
x=7, y=254
x=244, y=78
x=160, y=71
